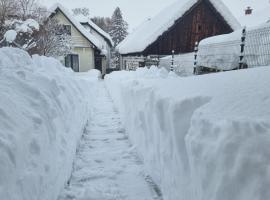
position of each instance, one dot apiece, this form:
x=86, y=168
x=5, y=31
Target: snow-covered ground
x=106, y=166
x=44, y=108
x=195, y=138
x=201, y=138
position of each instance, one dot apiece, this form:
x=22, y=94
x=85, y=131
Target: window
x=72, y=61
x=199, y=27
x=67, y=29
x=63, y=29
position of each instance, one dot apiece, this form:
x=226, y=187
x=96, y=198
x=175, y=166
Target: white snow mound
x=10, y=36
x=43, y=111
x=201, y=137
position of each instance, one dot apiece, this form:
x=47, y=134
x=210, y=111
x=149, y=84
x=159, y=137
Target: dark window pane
x=67, y=29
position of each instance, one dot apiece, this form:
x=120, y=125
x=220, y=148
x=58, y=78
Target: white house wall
x=86, y=58
x=81, y=46
x=105, y=45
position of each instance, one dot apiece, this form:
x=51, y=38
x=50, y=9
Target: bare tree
x=52, y=40
x=40, y=14
x=81, y=11
x=27, y=7
x=7, y=8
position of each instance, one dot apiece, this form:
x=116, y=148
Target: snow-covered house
x=177, y=28
x=104, y=38
x=90, y=45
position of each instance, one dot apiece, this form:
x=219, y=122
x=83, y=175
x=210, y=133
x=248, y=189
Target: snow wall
x=43, y=111
x=203, y=137
x=183, y=64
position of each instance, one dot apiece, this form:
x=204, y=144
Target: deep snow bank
x=43, y=110
x=201, y=138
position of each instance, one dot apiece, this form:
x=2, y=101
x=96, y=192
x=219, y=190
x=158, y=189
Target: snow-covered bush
x=24, y=37
x=201, y=137
x=43, y=111
x=52, y=40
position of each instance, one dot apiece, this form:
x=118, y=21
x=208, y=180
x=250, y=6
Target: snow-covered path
x=106, y=166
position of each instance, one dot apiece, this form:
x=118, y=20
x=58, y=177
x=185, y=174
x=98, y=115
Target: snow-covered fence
x=220, y=52
x=183, y=64
x=243, y=48
x=257, y=48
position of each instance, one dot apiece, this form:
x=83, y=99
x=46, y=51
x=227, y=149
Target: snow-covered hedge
x=201, y=138
x=222, y=52
x=43, y=111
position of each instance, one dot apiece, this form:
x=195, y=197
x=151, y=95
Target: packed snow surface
x=107, y=166
x=202, y=137
x=43, y=110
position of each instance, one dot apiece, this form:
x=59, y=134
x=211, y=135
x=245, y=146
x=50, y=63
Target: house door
x=98, y=61
x=72, y=61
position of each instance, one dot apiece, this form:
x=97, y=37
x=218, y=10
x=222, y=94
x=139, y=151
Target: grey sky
x=136, y=11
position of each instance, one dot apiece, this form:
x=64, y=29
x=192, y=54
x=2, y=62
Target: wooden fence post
x=172, y=63
x=243, y=42
x=196, y=70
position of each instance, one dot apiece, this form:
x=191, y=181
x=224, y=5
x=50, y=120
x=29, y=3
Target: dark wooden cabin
x=202, y=19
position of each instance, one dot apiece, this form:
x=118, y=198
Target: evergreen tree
x=118, y=31
x=118, y=27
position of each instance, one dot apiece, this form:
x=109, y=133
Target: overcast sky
x=136, y=11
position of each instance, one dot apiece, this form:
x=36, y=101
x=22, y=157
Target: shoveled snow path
x=106, y=166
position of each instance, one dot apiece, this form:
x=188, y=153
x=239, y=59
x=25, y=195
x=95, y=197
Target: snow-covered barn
x=177, y=28
x=90, y=45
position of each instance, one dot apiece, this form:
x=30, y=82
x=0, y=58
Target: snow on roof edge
x=98, y=29
x=126, y=46
x=91, y=38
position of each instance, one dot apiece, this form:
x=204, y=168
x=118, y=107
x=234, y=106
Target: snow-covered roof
x=85, y=20
x=258, y=16
x=150, y=30
x=90, y=37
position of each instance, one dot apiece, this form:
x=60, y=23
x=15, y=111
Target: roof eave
x=58, y=8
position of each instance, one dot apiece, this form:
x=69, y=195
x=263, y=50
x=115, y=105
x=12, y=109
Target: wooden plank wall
x=200, y=22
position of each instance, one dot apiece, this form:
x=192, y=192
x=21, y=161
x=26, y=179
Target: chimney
x=248, y=11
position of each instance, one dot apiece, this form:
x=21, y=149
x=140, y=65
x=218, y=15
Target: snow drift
x=201, y=138
x=43, y=111
x=183, y=63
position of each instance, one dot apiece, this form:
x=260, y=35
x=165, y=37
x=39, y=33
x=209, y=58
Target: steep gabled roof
x=150, y=30
x=90, y=37
x=85, y=20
